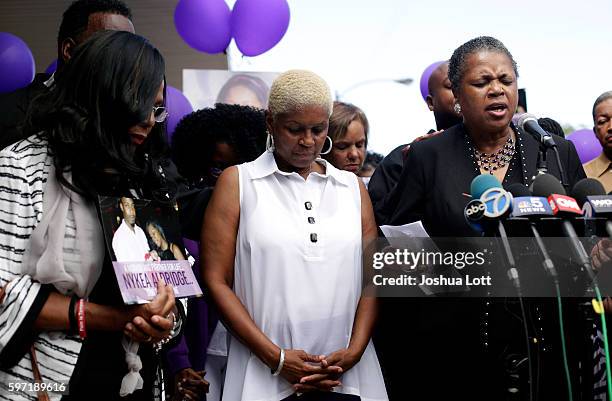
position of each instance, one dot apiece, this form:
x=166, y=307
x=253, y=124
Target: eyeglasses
x=160, y=113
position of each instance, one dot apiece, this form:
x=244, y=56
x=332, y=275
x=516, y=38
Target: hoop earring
x=331, y=144
x=270, y=142
x=457, y=108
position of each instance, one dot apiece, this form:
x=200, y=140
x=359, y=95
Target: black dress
x=433, y=348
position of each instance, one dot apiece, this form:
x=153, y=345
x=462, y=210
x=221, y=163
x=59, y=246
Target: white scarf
x=44, y=258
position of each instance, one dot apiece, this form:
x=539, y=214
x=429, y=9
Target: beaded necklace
x=497, y=160
x=517, y=152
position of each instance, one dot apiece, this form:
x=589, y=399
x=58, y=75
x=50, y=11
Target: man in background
x=80, y=20
x=599, y=168
x=441, y=101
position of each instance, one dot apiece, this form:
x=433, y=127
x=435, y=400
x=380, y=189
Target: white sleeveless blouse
x=298, y=273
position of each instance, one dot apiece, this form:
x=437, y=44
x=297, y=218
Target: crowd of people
x=281, y=201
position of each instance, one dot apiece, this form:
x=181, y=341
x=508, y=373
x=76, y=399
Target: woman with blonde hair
x=348, y=130
x=282, y=253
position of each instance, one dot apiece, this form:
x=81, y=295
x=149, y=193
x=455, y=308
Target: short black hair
x=600, y=99
x=456, y=66
x=195, y=136
x=373, y=159
x=551, y=126
x=76, y=17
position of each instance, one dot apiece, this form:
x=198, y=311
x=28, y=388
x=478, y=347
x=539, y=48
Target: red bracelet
x=81, y=318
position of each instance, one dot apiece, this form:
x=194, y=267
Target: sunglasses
x=160, y=113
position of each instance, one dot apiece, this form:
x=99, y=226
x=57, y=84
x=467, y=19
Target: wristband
x=81, y=318
x=281, y=363
x=74, y=328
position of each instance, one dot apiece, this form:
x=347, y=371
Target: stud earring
x=457, y=108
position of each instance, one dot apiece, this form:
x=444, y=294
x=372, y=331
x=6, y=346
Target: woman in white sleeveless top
x=282, y=258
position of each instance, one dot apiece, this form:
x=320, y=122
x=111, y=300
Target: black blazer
x=438, y=171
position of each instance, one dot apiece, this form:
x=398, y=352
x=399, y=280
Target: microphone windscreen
x=518, y=190
x=516, y=118
x=587, y=187
x=545, y=184
x=524, y=118
x=481, y=183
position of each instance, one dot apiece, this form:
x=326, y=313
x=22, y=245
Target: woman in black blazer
x=443, y=354
x=437, y=172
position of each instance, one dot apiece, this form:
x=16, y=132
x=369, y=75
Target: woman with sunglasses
x=99, y=131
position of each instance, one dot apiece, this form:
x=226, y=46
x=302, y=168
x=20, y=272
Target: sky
x=562, y=48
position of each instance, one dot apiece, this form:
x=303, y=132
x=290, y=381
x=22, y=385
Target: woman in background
x=348, y=131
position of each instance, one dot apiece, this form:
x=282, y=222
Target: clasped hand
x=152, y=322
x=316, y=372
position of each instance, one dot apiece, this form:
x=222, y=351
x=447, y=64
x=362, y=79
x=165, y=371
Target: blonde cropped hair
x=295, y=89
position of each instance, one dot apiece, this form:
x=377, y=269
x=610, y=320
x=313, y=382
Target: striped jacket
x=24, y=168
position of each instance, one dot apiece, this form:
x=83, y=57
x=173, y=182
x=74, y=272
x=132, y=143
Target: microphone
x=524, y=204
x=493, y=204
x=563, y=206
x=591, y=196
x=587, y=187
x=489, y=203
x=481, y=183
x=529, y=123
x=531, y=207
x=548, y=186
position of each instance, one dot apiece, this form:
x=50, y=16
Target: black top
x=167, y=254
x=386, y=176
x=438, y=172
x=442, y=353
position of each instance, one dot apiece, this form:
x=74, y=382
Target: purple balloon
x=258, y=25
x=51, y=68
x=178, y=106
x=586, y=143
x=425, y=78
x=17, y=66
x=204, y=24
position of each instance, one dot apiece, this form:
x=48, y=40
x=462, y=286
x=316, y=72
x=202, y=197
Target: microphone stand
x=514, y=277
x=564, y=180
x=545, y=144
x=542, y=166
